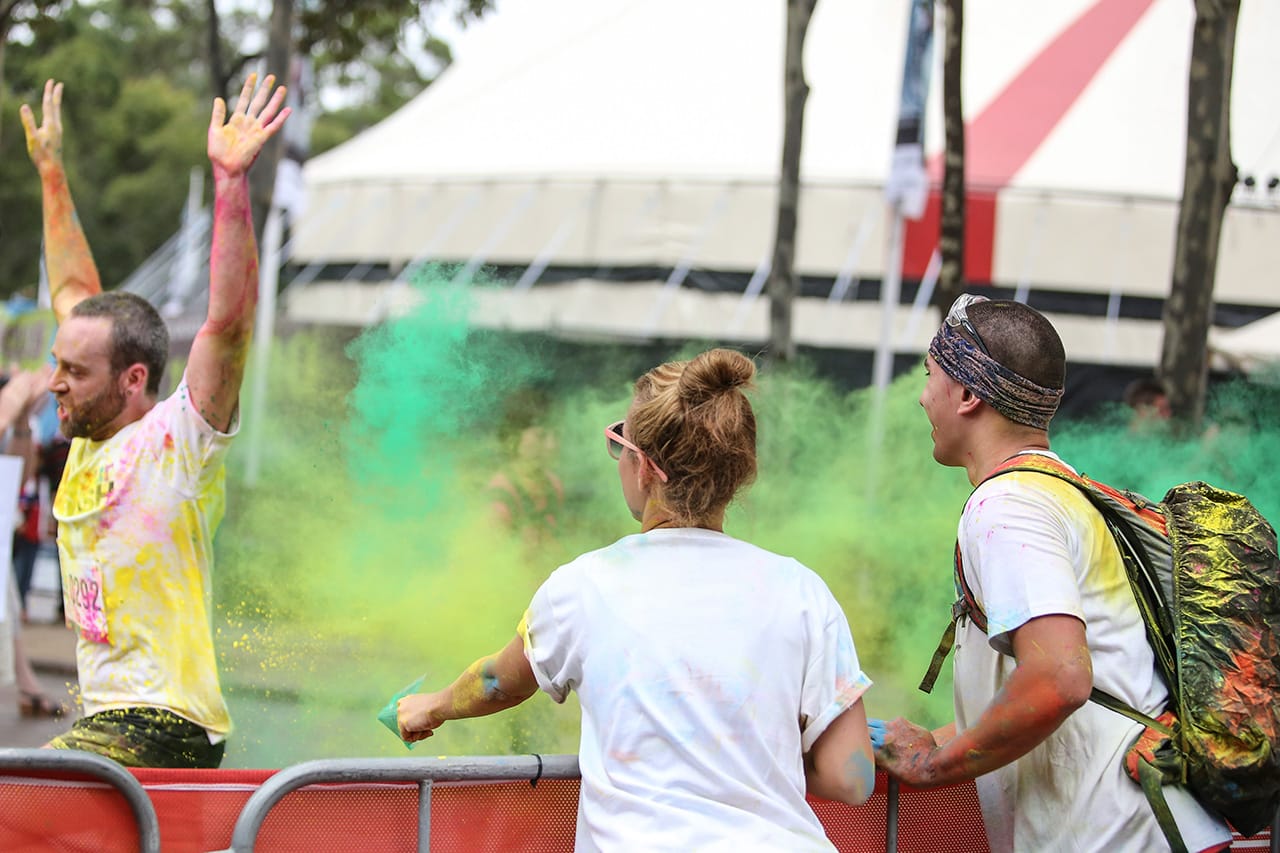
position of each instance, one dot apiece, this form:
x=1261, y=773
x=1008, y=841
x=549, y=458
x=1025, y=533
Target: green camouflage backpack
x=1204, y=570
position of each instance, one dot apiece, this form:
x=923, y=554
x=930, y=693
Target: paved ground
x=51, y=648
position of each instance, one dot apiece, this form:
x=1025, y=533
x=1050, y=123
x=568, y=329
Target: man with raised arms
x=142, y=492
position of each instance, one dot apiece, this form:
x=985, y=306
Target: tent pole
x=1113, y=301
x=1023, y=291
x=882, y=367
x=548, y=252
x=924, y=295
x=681, y=270
x=890, y=293
x=514, y=215
x=752, y=292
x=268, y=281
x=184, y=280
x=840, y=287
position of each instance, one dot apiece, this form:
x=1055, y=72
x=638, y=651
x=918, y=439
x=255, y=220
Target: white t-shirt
x=136, y=518
x=1034, y=546
x=705, y=668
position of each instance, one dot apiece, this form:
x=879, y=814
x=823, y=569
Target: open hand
x=234, y=143
x=44, y=142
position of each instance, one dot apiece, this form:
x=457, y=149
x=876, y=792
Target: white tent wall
x=620, y=134
x=614, y=223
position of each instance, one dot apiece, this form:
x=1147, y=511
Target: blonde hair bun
x=713, y=373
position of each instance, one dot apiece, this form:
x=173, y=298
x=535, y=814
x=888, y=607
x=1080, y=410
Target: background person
x=526, y=496
x=1047, y=573
x=718, y=681
x=142, y=491
x=23, y=391
x=1148, y=400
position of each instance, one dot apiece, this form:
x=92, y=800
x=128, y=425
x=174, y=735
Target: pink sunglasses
x=616, y=444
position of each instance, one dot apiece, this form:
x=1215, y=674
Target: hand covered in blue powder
x=876, y=728
x=905, y=751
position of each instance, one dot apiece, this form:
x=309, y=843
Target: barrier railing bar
x=103, y=769
x=424, y=816
x=891, y=818
x=471, y=769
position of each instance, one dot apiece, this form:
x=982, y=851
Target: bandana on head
x=1012, y=395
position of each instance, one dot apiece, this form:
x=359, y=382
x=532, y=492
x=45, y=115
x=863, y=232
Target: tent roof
x=1250, y=346
x=644, y=136
x=619, y=89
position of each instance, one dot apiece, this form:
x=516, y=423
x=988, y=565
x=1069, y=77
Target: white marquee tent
x=588, y=137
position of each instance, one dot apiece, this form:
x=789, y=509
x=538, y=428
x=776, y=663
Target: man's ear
x=134, y=380
x=969, y=402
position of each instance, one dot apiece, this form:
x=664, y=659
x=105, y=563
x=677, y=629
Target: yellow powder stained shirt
x=136, y=518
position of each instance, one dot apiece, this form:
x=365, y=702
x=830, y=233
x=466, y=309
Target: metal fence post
x=34, y=761
x=424, y=816
x=891, y=817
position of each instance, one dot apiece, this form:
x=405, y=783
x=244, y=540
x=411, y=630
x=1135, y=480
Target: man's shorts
x=143, y=737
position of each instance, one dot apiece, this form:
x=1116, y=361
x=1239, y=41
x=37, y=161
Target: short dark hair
x=1021, y=339
x=138, y=334
x=1144, y=391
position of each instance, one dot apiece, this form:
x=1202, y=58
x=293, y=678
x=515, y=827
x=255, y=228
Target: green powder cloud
x=369, y=551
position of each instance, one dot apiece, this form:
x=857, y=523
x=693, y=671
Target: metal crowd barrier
x=425, y=772
x=45, y=762
x=360, y=791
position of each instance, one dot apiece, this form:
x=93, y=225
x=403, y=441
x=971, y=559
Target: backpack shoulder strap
x=966, y=605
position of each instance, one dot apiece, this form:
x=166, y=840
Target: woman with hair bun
x=718, y=681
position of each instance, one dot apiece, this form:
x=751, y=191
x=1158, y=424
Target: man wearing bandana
x=1060, y=616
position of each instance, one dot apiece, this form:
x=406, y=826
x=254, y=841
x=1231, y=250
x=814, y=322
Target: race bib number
x=82, y=591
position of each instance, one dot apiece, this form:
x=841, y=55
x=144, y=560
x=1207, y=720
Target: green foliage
x=33, y=14
x=137, y=100
x=398, y=82
x=345, y=30
x=131, y=138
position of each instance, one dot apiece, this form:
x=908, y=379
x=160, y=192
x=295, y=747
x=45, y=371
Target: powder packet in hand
x=387, y=716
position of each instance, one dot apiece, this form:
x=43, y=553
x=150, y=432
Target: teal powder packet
x=387, y=716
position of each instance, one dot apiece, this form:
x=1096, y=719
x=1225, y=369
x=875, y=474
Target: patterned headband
x=1012, y=395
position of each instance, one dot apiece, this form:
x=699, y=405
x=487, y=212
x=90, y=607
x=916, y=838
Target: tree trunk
x=782, y=283
x=1209, y=179
x=262, y=178
x=217, y=69
x=4, y=38
x=951, y=279
x=6, y=23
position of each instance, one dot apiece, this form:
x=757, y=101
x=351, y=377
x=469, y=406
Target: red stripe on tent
x=1003, y=137
x=979, y=237
x=1007, y=133
x=1018, y=121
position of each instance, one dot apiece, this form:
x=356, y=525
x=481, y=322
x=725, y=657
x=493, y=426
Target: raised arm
x=21, y=396
x=73, y=276
x=215, y=368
